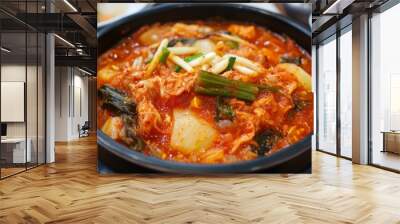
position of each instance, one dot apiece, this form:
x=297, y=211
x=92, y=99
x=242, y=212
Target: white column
x=50, y=99
x=314, y=86
x=360, y=90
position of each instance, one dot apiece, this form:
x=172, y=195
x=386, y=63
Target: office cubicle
x=22, y=77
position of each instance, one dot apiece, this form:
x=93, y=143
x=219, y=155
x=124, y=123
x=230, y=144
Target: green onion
x=149, y=60
x=215, y=85
x=209, y=78
x=230, y=63
x=178, y=68
x=232, y=44
x=164, y=55
x=225, y=92
x=266, y=87
x=188, y=59
x=192, y=57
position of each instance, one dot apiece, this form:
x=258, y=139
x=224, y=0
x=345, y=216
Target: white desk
x=18, y=149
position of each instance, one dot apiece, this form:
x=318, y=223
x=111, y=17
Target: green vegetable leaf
x=185, y=41
x=116, y=101
x=299, y=105
x=232, y=44
x=266, y=140
x=131, y=137
x=224, y=111
x=293, y=60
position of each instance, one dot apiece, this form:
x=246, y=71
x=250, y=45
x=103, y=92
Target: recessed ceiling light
x=70, y=5
x=337, y=7
x=5, y=50
x=64, y=40
x=84, y=71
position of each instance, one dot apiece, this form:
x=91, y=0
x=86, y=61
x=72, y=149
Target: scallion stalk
x=188, y=59
x=208, y=78
x=225, y=92
x=164, y=55
x=215, y=85
x=230, y=63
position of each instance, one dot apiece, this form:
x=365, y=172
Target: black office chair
x=84, y=130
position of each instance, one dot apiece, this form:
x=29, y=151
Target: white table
x=18, y=148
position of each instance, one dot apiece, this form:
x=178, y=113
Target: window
x=346, y=93
x=385, y=89
x=327, y=96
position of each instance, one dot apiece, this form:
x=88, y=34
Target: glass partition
x=22, y=88
x=14, y=151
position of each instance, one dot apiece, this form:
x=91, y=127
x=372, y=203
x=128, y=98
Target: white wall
x=61, y=103
x=71, y=94
x=12, y=73
x=80, y=103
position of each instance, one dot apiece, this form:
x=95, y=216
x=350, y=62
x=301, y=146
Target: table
x=13, y=150
x=391, y=141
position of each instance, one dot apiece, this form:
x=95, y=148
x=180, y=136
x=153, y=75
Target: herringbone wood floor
x=71, y=191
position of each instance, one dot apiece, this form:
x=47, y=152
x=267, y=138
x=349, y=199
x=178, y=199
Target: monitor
x=3, y=129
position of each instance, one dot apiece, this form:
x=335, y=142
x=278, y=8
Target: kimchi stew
x=205, y=92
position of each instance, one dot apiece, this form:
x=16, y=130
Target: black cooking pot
x=111, y=34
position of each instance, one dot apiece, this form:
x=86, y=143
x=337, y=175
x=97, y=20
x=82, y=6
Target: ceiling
x=72, y=20
x=330, y=15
